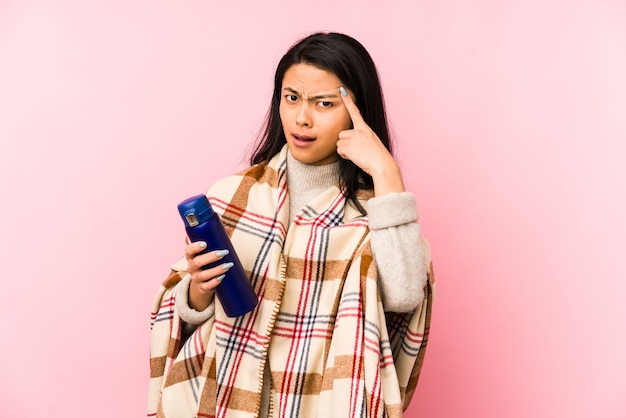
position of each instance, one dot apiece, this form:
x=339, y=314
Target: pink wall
x=511, y=122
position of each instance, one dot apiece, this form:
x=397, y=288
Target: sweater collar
x=306, y=177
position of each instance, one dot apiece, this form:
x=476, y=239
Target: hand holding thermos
x=202, y=224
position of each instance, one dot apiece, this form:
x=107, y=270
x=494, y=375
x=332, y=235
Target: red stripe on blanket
x=357, y=363
x=228, y=208
x=299, y=331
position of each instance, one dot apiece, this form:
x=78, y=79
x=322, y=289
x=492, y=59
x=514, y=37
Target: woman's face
x=312, y=114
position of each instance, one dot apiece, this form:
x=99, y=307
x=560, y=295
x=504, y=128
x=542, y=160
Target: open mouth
x=303, y=138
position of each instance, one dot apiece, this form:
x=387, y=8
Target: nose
x=303, y=117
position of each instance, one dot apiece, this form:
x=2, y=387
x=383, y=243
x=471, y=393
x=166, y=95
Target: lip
x=302, y=138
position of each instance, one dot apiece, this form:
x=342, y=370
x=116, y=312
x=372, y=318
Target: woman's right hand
x=203, y=282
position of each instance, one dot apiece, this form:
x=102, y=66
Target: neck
x=305, y=181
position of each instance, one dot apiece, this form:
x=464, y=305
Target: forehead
x=306, y=78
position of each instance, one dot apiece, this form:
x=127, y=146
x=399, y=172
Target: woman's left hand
x=362, y=146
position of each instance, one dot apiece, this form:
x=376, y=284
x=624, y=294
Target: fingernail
x=221, y=253
x=227, y=266
x=202, y=244
x=220, y=277
x=343, y=91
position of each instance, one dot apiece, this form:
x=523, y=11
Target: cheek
x=282, y=114
x=346, y=122
x=338, y=124
x=281, y=109
x=344, y=119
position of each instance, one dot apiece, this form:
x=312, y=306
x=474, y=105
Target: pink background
x=511, y=123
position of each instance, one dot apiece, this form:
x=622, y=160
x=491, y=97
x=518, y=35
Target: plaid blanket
x=331, y=348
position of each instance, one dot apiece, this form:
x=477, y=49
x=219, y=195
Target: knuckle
x=208, y=286
x=194, y=264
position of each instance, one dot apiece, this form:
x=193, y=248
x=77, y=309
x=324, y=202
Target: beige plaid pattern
x=332, y=350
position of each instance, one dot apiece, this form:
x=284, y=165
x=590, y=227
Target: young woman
x=331, y=244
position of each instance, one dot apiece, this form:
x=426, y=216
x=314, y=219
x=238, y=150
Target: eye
x=291, y=98
x=325, y=104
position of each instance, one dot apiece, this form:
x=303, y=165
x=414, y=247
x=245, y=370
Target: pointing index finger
x=353, y=110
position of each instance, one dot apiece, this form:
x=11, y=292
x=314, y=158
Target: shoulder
x=363, y=196
x=225, y=187
x=352, y=211
x=270, y=173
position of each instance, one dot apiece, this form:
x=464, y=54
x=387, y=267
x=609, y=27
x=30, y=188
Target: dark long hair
x=350, y=62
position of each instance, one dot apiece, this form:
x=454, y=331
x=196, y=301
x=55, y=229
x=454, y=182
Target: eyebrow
x=311, y=98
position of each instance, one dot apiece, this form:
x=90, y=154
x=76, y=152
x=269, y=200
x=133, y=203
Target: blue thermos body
x=235, y=292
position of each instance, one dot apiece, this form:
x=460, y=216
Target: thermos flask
x=235, y=292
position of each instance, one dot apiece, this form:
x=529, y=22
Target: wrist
x=187, y=311
x=198, y=299
x=387, y=178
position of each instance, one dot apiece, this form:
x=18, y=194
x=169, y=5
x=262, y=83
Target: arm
x=185, y=309
x=396, y=243
x=398, y=251
x=195, y=293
